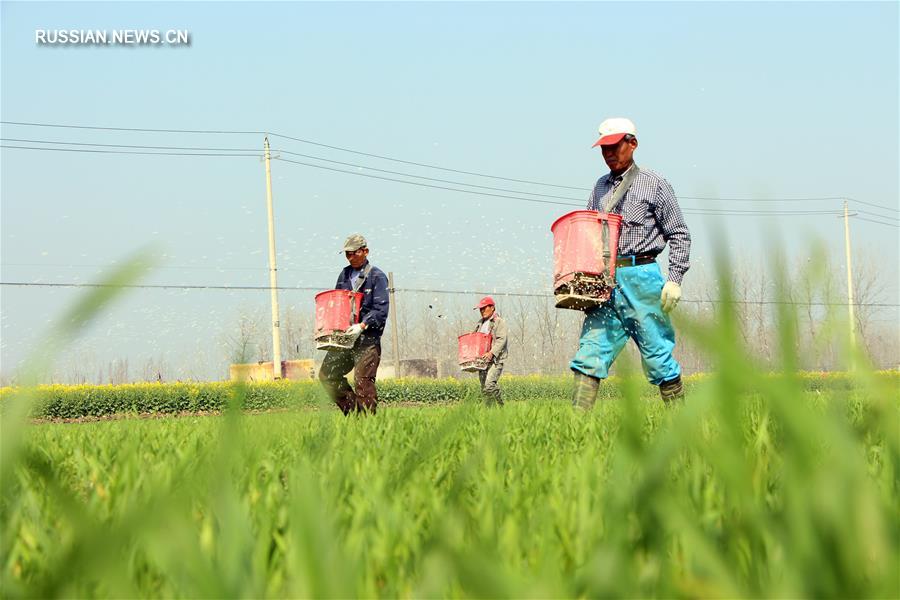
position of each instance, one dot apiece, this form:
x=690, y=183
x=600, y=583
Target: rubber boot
x=365, y=405
x=672, y=391
x=585, y=391
x=347, y=403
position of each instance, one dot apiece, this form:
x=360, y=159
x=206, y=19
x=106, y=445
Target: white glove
x=671, y=294
x=354, y=330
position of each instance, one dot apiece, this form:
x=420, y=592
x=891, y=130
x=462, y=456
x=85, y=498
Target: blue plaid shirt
x=650, y=218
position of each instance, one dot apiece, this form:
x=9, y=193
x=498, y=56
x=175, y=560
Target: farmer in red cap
x=492, y=324
x=640, y=304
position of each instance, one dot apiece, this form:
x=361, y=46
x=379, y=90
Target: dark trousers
x=363, y=361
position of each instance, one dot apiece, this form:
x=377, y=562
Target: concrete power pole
x=850, y=303
x=273, y=280
x=395, y=342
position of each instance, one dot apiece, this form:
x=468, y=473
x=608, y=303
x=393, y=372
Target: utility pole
x=395, y=342
x=273, y=280
x=850, y=309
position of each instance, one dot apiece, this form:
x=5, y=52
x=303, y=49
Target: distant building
x=412, y=367
x=295, y=370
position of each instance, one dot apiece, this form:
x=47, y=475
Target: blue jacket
x=375, y=303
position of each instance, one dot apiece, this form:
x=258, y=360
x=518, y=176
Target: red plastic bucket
x=585, y=241
x=472, y=347
x=336, y=310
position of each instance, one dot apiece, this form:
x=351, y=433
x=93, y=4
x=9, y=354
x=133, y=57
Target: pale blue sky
x=737, y=100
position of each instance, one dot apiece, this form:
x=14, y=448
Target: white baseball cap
x=613, y=130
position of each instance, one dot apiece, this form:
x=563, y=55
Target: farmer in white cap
x=491, y=323
x=360, y=276
x=643, y=297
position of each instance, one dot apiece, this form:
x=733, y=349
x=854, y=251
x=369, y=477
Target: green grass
x=748, y=499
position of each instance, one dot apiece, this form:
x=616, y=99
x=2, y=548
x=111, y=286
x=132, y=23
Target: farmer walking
x=492, y=324
x=359, y=276
x=642, y=298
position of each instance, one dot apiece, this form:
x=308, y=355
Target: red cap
x=609, y=140
x=486, y=301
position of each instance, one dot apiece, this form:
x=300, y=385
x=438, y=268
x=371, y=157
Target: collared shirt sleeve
x=377, y=316
x=674, y=230
x=500, y=336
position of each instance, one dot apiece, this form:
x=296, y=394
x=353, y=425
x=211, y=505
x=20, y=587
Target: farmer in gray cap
x=359, y=276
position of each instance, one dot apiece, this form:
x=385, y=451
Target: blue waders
x=634, y=311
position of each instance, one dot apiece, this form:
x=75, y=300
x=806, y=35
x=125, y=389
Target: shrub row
x=73, y=401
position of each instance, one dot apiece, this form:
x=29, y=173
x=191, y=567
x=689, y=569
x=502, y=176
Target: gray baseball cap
x=354, y=243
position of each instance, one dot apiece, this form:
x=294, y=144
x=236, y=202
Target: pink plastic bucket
x=585, y=241
x=472, y=346
x=336, y=310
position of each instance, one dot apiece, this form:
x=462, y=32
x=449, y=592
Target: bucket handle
x=353, y=308
x=604, y=237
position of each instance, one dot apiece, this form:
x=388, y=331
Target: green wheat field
x=762, y=484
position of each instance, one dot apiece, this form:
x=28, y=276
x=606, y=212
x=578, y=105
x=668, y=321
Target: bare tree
x=155, y=369
x=297, y=332
x=242, y=345
x=868, y=290
x=547, y=321
x=516, y=315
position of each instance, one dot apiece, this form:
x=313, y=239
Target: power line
x=428, y=185
x=699, y=211
x=425, y=165
x=867, y=212
x=410, y=290
x=197, y=149
x=874, y=205
x=786, y=302
x=879, y=222
x=135, y=129
x=761, y=212
x=428, y=166
x=136, y=146
x=287, y=137
x=487, y=187
x=275, y=151
x=197, y=267
x=86, y=150
x=812, y=199
x=687, y=210
x=149, y=286
x=540, y=295
x=582, y=202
